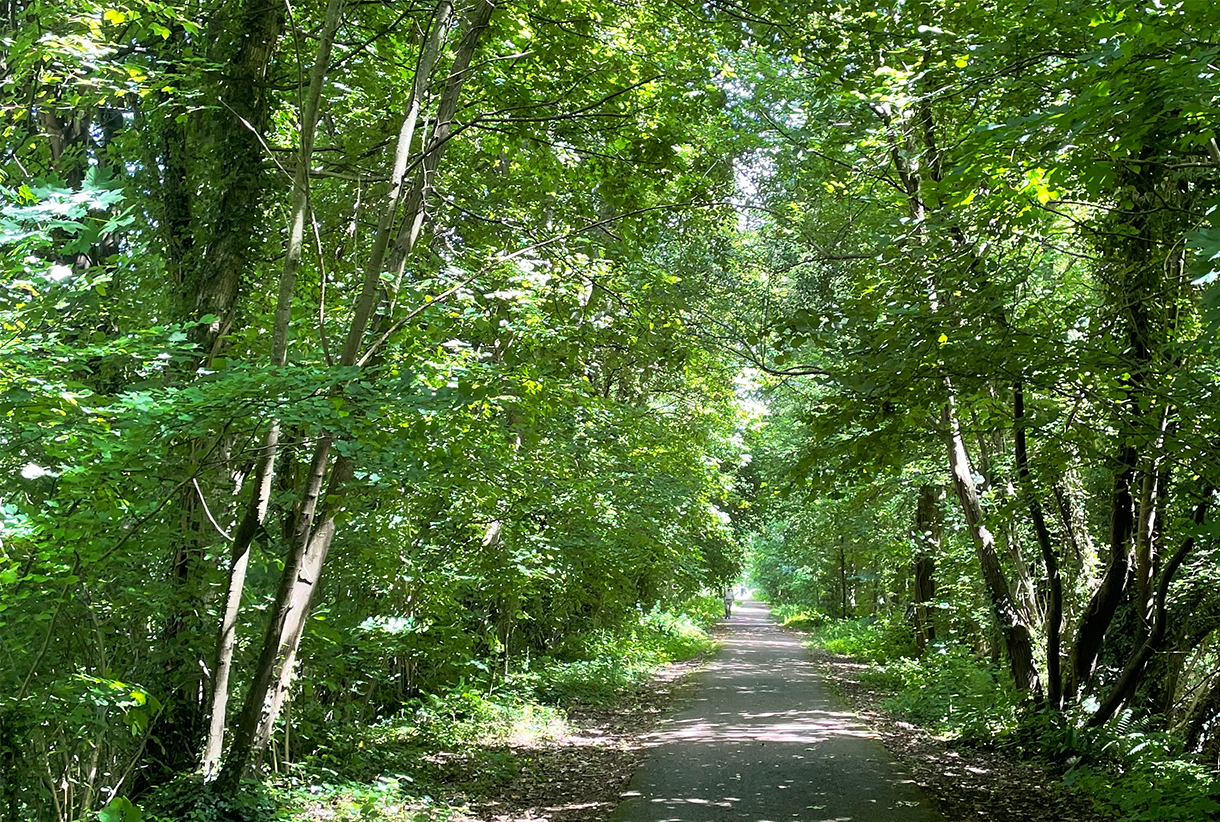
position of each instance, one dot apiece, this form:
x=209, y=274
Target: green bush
x=950, y=692
x=871, y=639
x=679, y=636
x=597, y=681
x=704, y=610
x=188, y=798
x=798, y=617
x=1150, y=789
x=464, y=715
x=382, y=799
x=1131, y=769
x=597, y=668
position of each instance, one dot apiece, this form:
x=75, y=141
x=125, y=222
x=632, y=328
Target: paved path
x=762, y=741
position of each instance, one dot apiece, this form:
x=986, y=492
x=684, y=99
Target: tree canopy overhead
x=352, y=350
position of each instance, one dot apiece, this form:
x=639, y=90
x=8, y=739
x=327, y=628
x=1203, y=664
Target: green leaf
x=120, y=809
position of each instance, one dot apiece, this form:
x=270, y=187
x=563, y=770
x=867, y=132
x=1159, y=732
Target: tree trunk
x=233, y=137
x=1133, y=672
x=311, y=544
x=929, y=530
x=302, y=596
x=1070, y=506
x=438, y=141
x=1054, y=593
x=243, y=746
x=210, y=212
x=1012, y=622
x=264, y=472
x=1102, y=605
x=842, y=579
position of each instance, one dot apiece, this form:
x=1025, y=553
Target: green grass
x=422, y=764
x=1128, y=770
x=605, y=667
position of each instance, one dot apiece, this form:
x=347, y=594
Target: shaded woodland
x=357, y=356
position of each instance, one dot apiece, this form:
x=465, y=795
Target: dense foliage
x=356, y=352
x=250, y=334
x=992, y=264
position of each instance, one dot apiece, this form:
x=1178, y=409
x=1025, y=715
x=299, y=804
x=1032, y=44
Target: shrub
x=871, y=639
x=1149, y=789
x=596, y=668
x=1133, y=770
x=188, y=798
x=704, y=610
x=798, y=617
x=677, y=636
x=950, y=692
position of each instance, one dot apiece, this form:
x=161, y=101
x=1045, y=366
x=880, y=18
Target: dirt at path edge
x=967, y=783
x=580, y=777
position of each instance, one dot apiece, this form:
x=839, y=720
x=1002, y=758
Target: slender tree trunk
x=1071, y=517
x=242, y=748
x=264, y=472
x=302, y=596
x=842, y=579
x=1012, y=622
x=1147, y=526
x=1133, y=672
x=929, y=530
x=1144, y=553
x=1102, y=605
x=310, y=543
x=1054, y=594
x=319, y=545
x=442, y=131
x=991, y=446
x=1152, y=490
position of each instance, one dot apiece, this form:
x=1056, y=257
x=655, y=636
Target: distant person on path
x=728, y=602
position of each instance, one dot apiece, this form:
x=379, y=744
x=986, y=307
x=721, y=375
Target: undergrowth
x=421, y=764
x=1127, y=768
x=599, y=668
x=950, y=693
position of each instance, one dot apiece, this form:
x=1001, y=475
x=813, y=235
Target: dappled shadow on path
x=762, y=741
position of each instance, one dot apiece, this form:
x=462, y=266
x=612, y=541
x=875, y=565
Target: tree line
x=354, y=349
x=345, y=346
x=994, y=340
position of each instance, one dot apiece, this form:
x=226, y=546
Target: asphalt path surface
x=762, y=740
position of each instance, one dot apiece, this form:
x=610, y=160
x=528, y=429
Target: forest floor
x=967, y=782
x=579, y=776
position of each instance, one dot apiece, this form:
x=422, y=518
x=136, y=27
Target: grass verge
x=444, y=753
x=1126, y=770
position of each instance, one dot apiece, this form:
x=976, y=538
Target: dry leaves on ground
x=580, y=775
x=966, y=783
